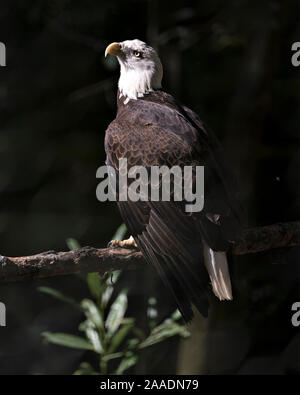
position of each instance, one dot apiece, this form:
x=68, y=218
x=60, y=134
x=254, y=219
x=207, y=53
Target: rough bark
x=88, y=259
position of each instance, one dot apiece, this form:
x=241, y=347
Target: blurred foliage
x=108, y=332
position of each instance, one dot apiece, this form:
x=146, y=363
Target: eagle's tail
x=217, y=267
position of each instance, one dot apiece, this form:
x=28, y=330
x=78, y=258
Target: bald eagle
x=152, y=128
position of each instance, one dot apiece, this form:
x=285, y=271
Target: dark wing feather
x=175, y=253
x=158, y=131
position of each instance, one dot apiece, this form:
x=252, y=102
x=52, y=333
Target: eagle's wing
x=149, y=134
x=169, y=240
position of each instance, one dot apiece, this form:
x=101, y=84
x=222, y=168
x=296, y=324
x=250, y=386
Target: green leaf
x=92, y=313
x=95, y=285
x=116, y=313
x=120, y=232
x=59, y=295
x=106, y=295
x=72, y=243
x=127, y=321
x=126, y=363
x=109, y=357
x=94, y=338
x=165, y=332
x=119, y=337
x=176, y=315
x=132, y=343
x=64, y=339
x=85, y=369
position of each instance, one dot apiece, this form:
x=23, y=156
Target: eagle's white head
x=141, y=68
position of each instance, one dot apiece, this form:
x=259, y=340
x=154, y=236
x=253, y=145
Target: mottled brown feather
x=157, y=130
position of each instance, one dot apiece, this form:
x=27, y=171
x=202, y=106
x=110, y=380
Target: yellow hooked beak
x=114, y=49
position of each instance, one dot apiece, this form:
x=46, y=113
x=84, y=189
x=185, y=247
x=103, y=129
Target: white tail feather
x=217, y=267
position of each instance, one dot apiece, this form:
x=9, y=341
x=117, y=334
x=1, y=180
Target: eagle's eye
x=137, y=54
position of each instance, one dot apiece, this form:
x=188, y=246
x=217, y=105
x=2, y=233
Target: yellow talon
x=128, y=243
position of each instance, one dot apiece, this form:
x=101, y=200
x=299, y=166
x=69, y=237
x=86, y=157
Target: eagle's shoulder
x=152, y=130
x=160, y=110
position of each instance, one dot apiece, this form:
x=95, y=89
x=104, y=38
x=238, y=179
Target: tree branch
x=88, y=259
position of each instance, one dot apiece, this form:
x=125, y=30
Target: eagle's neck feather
x=136, y=83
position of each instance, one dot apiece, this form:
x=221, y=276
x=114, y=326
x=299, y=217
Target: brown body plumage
x=156, y=130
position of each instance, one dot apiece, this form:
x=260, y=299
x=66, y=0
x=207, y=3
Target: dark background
x=230, y=61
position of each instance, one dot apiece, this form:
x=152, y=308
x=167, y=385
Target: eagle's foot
x=128, y=243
